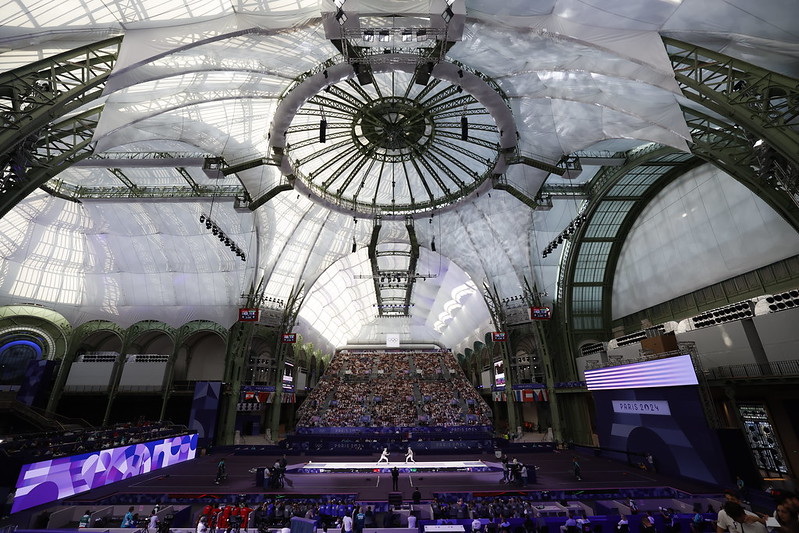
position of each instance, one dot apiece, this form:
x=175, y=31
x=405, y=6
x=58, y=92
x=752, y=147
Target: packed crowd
x=61, y=443
x=428, y=365
x=377, y=389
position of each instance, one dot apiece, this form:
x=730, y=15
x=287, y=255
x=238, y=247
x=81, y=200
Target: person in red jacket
x=245, y=515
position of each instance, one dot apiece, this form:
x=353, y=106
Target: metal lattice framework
x=744, y=103
x=764, y=103
x=589, y=265
x=40, y=134
x=44, y=155
x=390, y=145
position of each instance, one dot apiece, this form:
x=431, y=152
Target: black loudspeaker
x=464, y=129
x=322, y=130
x=363, y=73
x=422, y=75
x=395, y=498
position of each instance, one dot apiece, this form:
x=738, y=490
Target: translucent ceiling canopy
x=253, y=80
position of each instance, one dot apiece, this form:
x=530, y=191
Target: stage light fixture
x=383, y=36
x=407, y=36
x=421, y=35
x=354, y=246
x=433, y=244
x=368, y=36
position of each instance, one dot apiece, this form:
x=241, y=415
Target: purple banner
x=51, y=480
x=37, y=375
x=204, y=409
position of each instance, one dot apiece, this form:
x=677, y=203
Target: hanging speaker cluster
x=224, y=239
x=729, y=313
x=783, y=301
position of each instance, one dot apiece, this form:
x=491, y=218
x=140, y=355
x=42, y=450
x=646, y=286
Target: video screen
x=540, y=313
x=249, y=315
x=288, y=338
x=499, y=336
x=667, y=372
x=288, y=376
x=499, y=373
x=51, y=480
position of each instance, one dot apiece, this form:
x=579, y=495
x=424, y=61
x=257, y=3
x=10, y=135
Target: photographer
x=671, y=525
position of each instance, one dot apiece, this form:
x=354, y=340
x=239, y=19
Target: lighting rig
x=227, y=241
x=570, y=230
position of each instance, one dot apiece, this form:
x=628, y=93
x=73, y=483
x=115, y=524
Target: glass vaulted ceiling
x=392, y=145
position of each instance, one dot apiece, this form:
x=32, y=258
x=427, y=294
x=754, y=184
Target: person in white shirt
x=736, y=519
x=570, y=522
x=477, y=525
x=202, y=525
x=152, y=522
x=411, y=521
x=383, y=456
x=409, y=456
x=347, y=523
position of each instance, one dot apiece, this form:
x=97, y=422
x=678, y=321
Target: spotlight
x=460, y=72
x=368, y=36
x=383, y=36
x=407, y=36
x=354, y=246
x=207, y=224
x=202, y=219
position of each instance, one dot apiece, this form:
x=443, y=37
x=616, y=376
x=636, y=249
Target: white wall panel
x=779, y=334
x=702, y=229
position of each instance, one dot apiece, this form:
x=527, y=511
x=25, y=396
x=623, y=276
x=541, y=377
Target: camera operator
x=234, y=523
x=165, y=524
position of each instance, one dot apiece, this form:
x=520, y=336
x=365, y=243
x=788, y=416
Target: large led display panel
x=52, y=480
x=668, y=372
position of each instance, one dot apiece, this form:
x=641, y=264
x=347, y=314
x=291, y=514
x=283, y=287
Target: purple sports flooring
x=554, y=473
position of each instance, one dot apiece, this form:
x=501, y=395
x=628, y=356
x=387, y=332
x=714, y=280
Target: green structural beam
x=730, y=148
x=33, y=96
x=764, y=103
x=36, y=143
x=63, y=143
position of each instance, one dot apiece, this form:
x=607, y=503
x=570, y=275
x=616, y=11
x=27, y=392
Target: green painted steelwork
x=764, y=103
x=63, y=143
x=35, y=141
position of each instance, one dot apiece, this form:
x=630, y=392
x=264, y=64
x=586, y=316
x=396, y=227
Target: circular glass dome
x=385, y=144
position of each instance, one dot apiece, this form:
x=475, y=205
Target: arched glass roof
x=205, y=78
